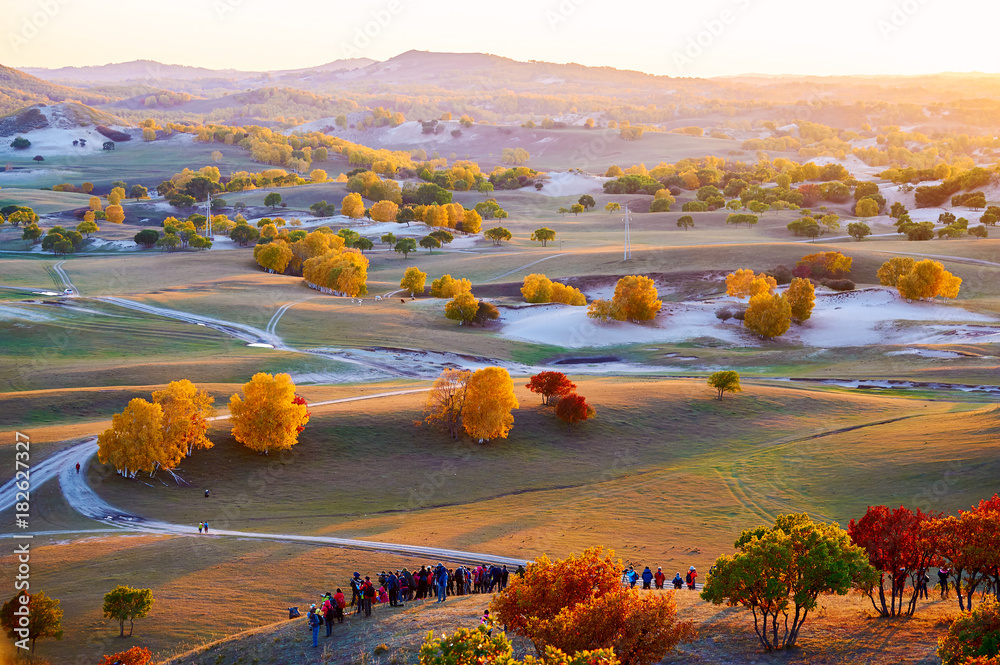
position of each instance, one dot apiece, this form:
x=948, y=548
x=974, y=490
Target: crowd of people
x=650, y=580
x=394, y=588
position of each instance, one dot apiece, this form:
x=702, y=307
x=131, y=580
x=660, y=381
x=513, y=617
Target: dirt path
x=86, y=501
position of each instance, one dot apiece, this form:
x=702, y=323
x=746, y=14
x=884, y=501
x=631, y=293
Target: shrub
x=838, y=284
x=972, y=634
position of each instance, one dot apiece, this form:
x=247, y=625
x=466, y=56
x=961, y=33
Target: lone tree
x=489, y=401
x=587, y=201
x=543, y=235
x=123, y=603
x=430, y=243
x=780, y=571
x=858, y=230
x=272, y=200
x=270, y=416
x=44, y=619
x=685, y=222
x=498, y=234
x=726, y=381
x=549, y=385
x=405, y=245
x=413, y=280
x=612, y=207
x=573, y=409
x=579, y=603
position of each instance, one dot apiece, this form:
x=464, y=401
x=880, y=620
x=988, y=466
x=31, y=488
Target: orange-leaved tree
x=801, y=296
x=270, y=415
x=928, y=279
x=578, y=603
x=635, y=299
x=446, y=399
x=489, y=400
x=134, y=442
x=823, y=264
x=186, y=411
x=384, y=211
x=573, y=409
x=549, y=385
x=134, y=656
x=738, y=283
x=970, y=545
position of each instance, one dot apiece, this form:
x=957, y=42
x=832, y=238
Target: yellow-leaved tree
x=537, y=288
x=115, y=213
x=134, y=442
x=738, y=283
x=801, y=296
x=462, y=308
x=352, y=206
x=343, y=272
x=928, y=279
x=635, y=299
x=270, y=415
x=446, y=399
x=383, y=211
x=413, y=280
x=489, y=401
x=274, y=256
x=890, y=271
x=769, y=315
x=186, y=411
x=762, y=284
x=448, y=287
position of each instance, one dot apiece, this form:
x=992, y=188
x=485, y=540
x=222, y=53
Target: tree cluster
x=538, y=288
x=635, y=299
x=479, y=403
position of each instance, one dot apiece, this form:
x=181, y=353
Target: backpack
x=369, y=591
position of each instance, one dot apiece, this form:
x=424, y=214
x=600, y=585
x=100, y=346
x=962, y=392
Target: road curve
x=82, y=498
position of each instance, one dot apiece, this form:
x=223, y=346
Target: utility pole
x=208, y=224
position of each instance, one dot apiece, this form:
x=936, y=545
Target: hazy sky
x=668, y=37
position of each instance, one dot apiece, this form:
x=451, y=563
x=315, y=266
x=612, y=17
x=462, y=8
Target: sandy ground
x=855, y=318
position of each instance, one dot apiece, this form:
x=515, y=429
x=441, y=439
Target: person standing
x=329, y=612
x=314, y=625
x=339, y=604
x=504, y=576
x=943, y=581
x=647, y=578
x=392, y=583
x=356, y=592
x=441, y=577
x=678, y=581
x=659, y=578
x=367, y=595
x=692, y=576
x=201, y=525
x=78, y=467
x=206, y=527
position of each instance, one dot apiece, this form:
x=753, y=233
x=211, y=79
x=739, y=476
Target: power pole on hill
x=208, y=224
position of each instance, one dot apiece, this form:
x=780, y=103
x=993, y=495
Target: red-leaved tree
x=134, y=656
x=896, y=549
x=573, y=409
x=549, y=385
x=970, y=543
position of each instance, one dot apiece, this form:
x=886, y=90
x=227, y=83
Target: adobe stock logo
x=31, y=24
x=363, y=35
x=703, y=40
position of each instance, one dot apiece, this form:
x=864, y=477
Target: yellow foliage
x=448, y=287
x=602, y=310
x=116, y=215
x=274, y=256
x=446, y=399
x=462, y=307
x=769, y=315
x=384, y=211
x=567, y=295
x=489, y=401
x=890, y=271
x=268, y=417
x=472, y=222
x=413, y=280
x=185, y=413
x=352, y=206
x=801, y=296
x=738, y=283
x=537, y=288
x=762, y=284
x=95, y=203
x=134, y=442
x=928, y=279
x=635, y=299
x=342, y=271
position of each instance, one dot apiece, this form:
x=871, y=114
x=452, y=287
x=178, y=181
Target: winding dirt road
x=82, y=498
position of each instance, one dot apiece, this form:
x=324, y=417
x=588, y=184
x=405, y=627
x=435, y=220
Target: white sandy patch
x=925, y=353
x=564, y=183
x=22, y=313
x=854, y=318
x=57, y=139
